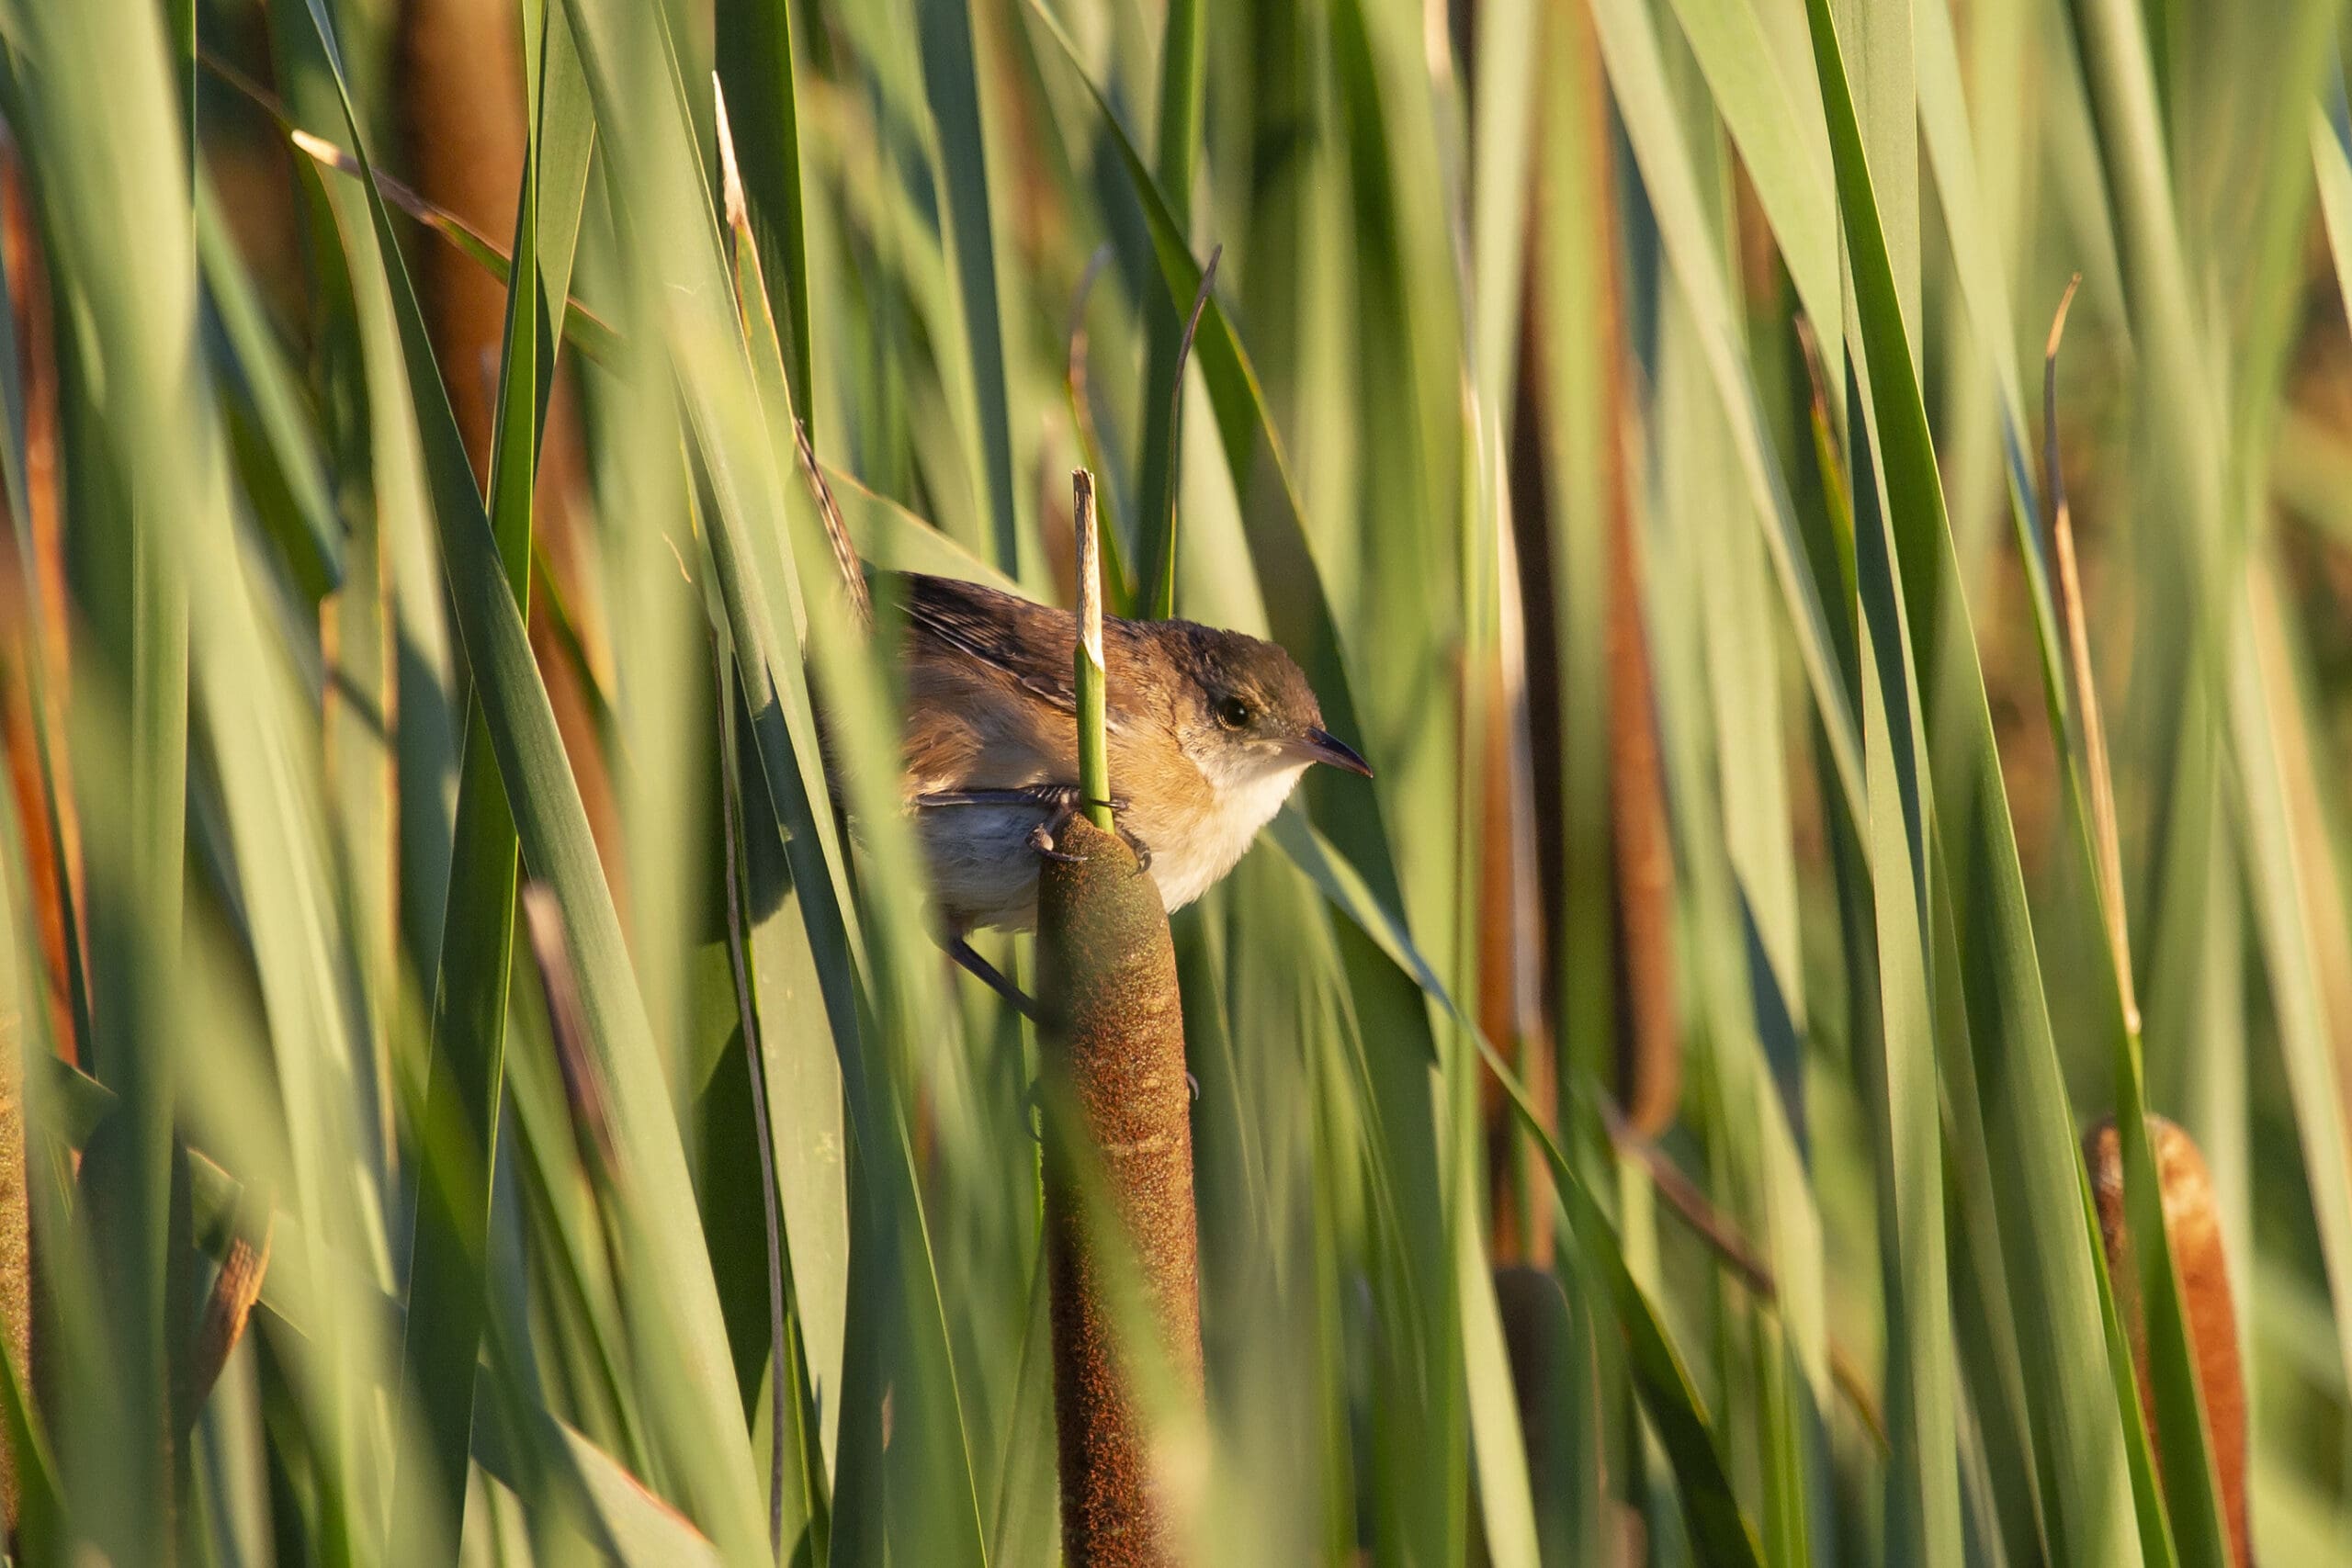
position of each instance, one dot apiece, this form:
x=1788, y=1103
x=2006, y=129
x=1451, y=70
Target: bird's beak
x=1325, y=748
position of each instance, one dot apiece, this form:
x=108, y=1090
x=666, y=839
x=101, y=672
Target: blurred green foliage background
x=1642, y=1127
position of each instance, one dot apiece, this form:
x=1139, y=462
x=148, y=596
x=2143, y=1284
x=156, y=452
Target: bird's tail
x=739, y=220
x=861, y=601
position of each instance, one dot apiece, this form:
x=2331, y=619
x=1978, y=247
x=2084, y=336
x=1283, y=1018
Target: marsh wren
x=1208, y=731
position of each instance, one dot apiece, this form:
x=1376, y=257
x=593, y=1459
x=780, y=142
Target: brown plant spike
x=236, y=1291
x=2193, y=1230
x=1116, y=1060
x=1649, y=1052
x=16, y=1235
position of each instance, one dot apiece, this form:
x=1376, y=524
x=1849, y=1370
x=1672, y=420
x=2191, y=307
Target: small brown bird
x=1208, y=730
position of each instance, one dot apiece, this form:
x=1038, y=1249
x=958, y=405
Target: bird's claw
x=1041, y=837
x=1071, y=798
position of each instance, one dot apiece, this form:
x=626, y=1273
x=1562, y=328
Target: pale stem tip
x=731, y=178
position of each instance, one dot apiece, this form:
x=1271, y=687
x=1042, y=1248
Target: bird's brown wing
x=1021, y=641
x=990, y=689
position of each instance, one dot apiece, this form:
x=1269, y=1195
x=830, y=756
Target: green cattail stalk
x=1093, y=755
x=1118, y=1152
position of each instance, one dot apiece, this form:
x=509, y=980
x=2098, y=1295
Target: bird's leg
x=1142, y=850
x=988, y=974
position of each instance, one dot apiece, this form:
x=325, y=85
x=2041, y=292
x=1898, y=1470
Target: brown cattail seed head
x=1114, y=1055
x=2193, y=1231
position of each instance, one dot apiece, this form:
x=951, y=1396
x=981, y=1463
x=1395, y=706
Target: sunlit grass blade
x=2295, y=901
x=1629, y=45
x=1666, y=1389
x=2030, y=1135
x=755, y=57
x=306, y=527
x=2164, y=1336
x=738, y=414
x=133, y=262
x=587, y=330
x=1718, y=1527
x=464, y=1092
x=2332, y=161
x=1183, y=61
x=673, y=1300
x=952, y=73
x=1781, y=145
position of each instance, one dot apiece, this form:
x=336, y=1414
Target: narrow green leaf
x=143, y=423
x=951, y=71
x=1923, y=1500
x=313, y=546
x=1636, y=77
x=755, y=70
x=1183, y=61
x=2029, y=1126
x=1719, y=1529
x=2332, y=161
x=465, y=1078
x=670, y=1298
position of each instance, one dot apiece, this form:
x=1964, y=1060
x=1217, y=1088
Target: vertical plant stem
x=1160, y=562
x=1183, y=61
x=1649, y=1076
x=739, y=966
x=1122, y=1245
x=2106, y=844
x=1093, y=758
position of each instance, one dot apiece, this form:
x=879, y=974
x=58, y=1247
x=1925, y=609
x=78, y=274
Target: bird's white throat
x=1248, y=787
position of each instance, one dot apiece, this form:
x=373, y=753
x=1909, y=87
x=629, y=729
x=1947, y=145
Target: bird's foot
x=1045, y=836
x=1068, y=801
x=1041, y=837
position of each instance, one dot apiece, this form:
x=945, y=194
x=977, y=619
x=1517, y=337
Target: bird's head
x=1245, y=715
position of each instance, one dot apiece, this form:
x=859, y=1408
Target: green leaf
x=313, y=543
x=1636, y=78
x=755, y=71
x=1184, y=61
x=465, y=1079
x=672, y=1305
x=2030, y=1130
x=951, y=68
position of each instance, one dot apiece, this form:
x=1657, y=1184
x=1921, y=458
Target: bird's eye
x=1232, y=713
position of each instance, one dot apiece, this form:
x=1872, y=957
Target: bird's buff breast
x=984, y=869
